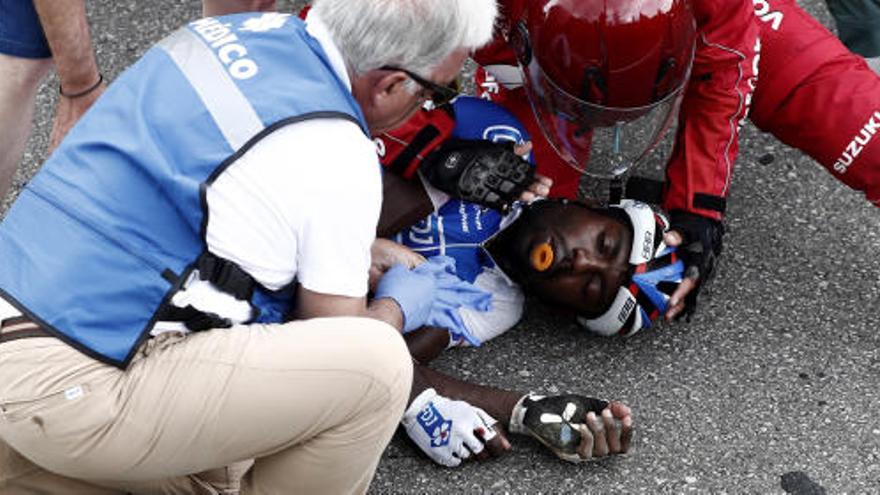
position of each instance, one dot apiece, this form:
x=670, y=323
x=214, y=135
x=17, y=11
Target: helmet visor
x=597, y=140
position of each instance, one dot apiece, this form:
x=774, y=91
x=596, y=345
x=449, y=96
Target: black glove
x=482, y=172
x=700, y=248
x=550, y=420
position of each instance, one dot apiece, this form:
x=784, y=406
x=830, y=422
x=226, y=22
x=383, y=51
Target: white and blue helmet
x=657, y=271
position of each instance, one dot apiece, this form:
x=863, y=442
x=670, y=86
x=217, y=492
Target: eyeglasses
x=440, y=95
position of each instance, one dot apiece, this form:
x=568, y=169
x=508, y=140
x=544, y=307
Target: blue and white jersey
x=460, y=229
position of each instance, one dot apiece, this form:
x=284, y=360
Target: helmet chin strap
x=613, y=321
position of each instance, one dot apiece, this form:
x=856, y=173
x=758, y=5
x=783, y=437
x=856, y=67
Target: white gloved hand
x=448, y=431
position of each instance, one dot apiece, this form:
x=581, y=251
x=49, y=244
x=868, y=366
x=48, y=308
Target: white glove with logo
x=448, y=431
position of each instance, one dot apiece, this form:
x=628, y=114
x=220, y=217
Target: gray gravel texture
x=773, y=384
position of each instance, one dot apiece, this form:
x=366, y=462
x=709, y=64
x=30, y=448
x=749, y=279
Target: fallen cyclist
x=578, y=257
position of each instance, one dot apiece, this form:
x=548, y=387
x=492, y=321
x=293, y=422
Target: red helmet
x=604, y=76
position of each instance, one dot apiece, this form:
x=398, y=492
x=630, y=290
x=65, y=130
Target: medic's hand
x=574, y=427
x=412, y=291
x=451, y=431
x=482, y=172
x=699, y=243
x=453, y=293
x=431, y=294
x=385, y=254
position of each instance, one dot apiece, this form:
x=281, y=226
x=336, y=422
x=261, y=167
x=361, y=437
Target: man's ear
x=388, y=84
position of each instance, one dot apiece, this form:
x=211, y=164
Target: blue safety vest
x=115, y=221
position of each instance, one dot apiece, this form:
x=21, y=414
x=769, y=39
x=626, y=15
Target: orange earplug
x=542, y=257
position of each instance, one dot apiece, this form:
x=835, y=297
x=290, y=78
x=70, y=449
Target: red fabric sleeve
x=714, y=105
x=817, y=96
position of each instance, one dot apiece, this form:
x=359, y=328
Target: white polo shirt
x=303, y=203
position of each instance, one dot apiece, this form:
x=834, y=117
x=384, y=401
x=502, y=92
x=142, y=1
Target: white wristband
x=519, y=413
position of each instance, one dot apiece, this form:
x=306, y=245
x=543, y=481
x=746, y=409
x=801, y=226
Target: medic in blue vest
x=113, y=265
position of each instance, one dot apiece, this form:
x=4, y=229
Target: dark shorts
x=20, y=32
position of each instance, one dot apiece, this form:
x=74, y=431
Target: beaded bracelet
x=83, y=92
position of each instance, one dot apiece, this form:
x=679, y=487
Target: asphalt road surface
x=771, y=387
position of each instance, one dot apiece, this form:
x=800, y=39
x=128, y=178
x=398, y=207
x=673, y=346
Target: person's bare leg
x=19, y=80
x=212, y=8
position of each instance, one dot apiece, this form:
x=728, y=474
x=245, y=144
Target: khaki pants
x=313, y=402
x=19, y=476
